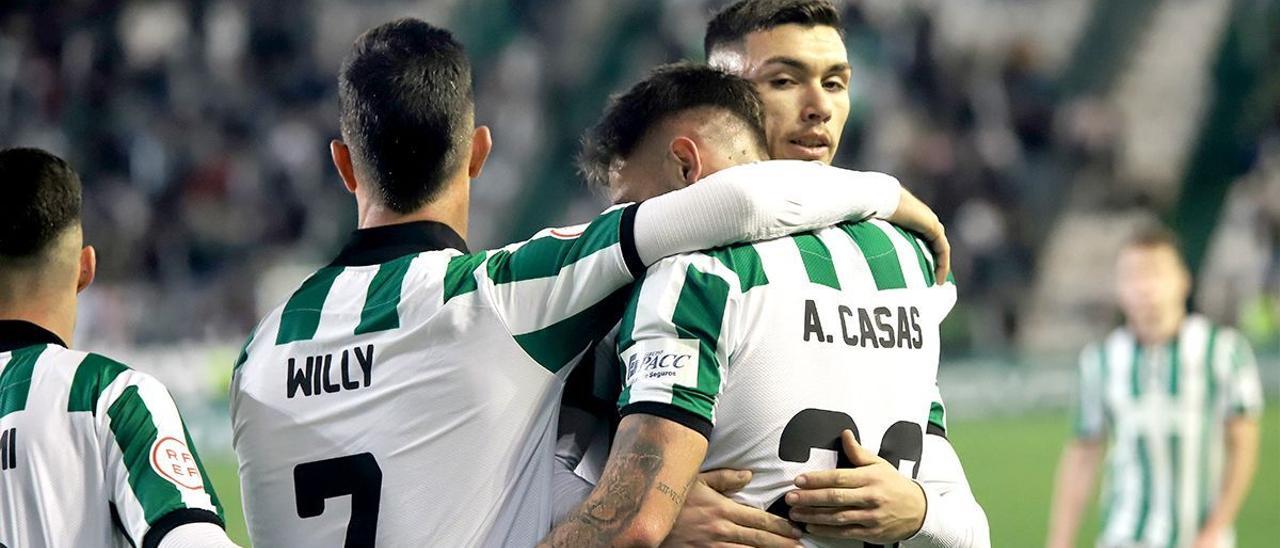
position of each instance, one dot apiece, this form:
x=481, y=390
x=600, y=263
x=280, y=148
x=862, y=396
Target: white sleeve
x=197, y=535
x=759, y=201
x=953, y=518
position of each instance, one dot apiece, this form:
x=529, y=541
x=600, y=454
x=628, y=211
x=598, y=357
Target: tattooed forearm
x=675, y=496
x=605, y=517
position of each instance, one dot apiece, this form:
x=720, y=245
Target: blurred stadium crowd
x=1036, y=129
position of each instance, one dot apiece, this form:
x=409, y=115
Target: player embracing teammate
x=406, y=394
x=750, y=355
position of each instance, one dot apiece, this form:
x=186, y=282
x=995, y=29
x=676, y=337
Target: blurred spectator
x=201, y=130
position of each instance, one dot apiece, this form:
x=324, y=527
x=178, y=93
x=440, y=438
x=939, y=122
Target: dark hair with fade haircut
x=39, y=199
x=735, y=22
x=667, y=90
x=406, y=100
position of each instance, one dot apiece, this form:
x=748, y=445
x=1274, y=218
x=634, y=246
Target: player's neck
x=1160, y=332
x=57, y=315
x=450, y=208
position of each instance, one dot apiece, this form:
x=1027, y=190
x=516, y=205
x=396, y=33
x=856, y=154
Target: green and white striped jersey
x=772, y=349
x=1164, y=409
x=92, y=453
x=422, y=381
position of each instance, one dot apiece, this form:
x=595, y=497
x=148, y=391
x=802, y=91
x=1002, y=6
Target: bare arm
x=653, y=463
x=1242, y=460
x=1077, y=475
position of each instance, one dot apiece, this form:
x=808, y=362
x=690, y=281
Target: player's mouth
x=809, y=147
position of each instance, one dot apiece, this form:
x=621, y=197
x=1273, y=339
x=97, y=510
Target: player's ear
x=481, y=145
x=88, y=267
x=685, y=154
x=342, y=160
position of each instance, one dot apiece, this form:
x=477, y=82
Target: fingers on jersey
x=835, y=516
x=759, y=521
x=863, y=496
x=725, y=481
x=858, y=455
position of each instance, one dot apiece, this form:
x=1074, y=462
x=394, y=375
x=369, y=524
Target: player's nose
x=818, y=105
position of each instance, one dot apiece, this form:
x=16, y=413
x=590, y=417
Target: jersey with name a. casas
x=92, y=453
x=1164, y=409
x=771, y=349
x=406, y=395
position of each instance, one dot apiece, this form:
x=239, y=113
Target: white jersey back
x=776, y=347
x=92, y=453
x=1164, y=409
x=404, y=397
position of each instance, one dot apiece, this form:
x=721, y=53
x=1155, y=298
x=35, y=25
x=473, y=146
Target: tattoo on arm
x=628, y=478
x=676, y=497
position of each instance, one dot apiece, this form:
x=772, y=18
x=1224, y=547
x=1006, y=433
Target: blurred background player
x=703, y=340
x=1172, y=401
x=92, y=453
x=423, y=380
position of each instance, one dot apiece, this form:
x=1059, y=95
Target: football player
x=406, y=394
x=92, y=453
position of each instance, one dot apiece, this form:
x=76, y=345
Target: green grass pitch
x=1010, y=463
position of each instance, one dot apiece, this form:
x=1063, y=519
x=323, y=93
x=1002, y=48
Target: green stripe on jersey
x=208, y=483
x=135, y=433
x=699, y=315
x=555, y=345
x=1175, y=366
x=938, y=415
x=544, y=257
x=301, y=314
x=817, y=260
x=925, y=271
x=380, y=303
x=244, y=352
x=1135, y=372
x=693, y=400
x=627, y=328
x=93, y=375
x=1144, y=500
x=1206, y=420
x=460, y=275
x=882, y=257
x=15, y=381
x=744, y=261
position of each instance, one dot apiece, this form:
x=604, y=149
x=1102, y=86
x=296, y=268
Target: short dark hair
x=1153, y=234
x=39, y=199
x=668, y=90
x=406, y=100
x=733, y=23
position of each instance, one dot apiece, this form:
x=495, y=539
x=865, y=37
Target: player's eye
x=782, y=82
x=834, y=84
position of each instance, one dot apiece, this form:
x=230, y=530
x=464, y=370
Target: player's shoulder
x=1217, y=334
x=1200, y=325
x=1116, y=336
x=73, y=361
x=725, y=263
x=91, y=374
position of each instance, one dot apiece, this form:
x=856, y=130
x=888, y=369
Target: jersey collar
x=380, y=244
x=15, y=334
